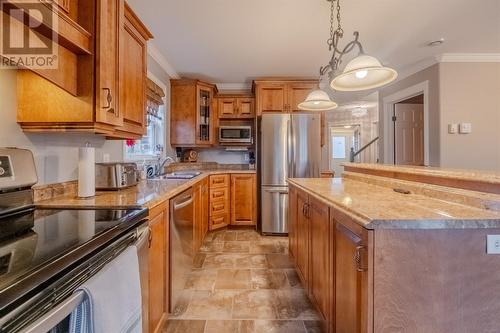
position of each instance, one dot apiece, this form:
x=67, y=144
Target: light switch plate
x=493, y=244
x=465, y=128
x=452, y=128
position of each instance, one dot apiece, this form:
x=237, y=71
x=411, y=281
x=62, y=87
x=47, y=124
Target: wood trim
x=137, y=23
x=473, y=185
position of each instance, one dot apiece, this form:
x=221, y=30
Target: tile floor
x=242, y=282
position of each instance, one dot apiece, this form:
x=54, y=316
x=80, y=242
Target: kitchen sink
x=179, y=175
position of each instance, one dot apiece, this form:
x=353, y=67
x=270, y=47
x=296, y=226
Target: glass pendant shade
x=317, y=100
x=362, y=73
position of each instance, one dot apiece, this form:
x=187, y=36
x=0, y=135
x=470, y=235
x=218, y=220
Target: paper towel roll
x=86, y=172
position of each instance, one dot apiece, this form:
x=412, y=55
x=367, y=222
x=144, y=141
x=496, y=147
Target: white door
x=341, y=142
x=409, y=134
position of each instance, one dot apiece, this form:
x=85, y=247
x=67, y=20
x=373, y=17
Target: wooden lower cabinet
x=200, y=206
x=331, y=255
x=320, y=256
x=243, y=199
x=351, y=273
x=158, y=267
x=292, y=222
x=302, y=255
x=219, y=203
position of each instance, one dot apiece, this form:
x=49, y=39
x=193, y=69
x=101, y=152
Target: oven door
x=235, y=134
x=57, y=318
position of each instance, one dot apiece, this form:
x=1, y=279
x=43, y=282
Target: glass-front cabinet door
x=204, y=116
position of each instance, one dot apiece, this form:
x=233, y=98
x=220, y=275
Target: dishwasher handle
x=186, y=201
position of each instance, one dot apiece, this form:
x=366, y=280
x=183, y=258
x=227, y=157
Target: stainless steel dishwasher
x=181, y=243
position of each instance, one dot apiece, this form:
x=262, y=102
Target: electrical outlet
x=452, y=128
x=105, y=158
x=493, y=244
x=465, y=128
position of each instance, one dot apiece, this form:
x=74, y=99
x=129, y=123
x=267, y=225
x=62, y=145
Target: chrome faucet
x=160, y=164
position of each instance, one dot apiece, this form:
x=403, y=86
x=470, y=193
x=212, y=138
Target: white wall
x=470, y=92
x=430, y=74
x=221, y=156
x=458, y=92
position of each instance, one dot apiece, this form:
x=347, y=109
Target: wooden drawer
x=219, y=207
x=219, y=181
x=218, y=194
x=219, y=221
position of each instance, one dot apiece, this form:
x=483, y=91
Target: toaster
x=115, y=176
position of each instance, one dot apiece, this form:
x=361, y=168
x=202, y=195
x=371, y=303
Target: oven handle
x=57, y=314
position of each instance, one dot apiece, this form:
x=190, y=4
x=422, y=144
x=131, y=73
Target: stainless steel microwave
x=235, y=134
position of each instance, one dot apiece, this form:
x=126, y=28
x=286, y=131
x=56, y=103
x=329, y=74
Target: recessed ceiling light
x=436, y=42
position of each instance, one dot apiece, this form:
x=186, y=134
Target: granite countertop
x=380, y=207
x=148, y=193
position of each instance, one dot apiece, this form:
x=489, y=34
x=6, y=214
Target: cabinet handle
x=305, y=210
x=358, y=258
x=109, y=98
x=150, y=238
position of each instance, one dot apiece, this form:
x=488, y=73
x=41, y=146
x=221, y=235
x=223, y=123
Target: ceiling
x=233, y=41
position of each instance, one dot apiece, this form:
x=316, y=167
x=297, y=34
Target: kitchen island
x=380, y=253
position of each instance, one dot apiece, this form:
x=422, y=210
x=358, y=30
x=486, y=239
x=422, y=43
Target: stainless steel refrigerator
x=290, y=147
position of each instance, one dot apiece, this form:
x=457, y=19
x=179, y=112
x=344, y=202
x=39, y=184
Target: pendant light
x=361, y=73
x=317, y=100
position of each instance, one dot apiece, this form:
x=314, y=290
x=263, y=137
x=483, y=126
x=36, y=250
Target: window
x=153, y=143
x=339, y=149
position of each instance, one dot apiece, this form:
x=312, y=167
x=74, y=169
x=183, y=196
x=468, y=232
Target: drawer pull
x=218, y=207
x=218, y=194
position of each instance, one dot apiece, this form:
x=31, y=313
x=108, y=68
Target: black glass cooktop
x=36, y=237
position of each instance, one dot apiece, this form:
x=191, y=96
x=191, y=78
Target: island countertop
x=380, y=207
x=147, y=193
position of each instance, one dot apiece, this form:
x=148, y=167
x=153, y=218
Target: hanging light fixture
x=317, y=100
x=361, y=73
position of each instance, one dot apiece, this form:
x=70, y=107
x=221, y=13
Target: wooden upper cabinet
x=133, y=82
x=271, y=97
x=281, y=95
x=110, y=15
x=108, y=96
x=246, y=107
x=243, y=199
x=228, y=107
x=236, y=107
x=351, y=308
x=297, y=93
x=192, y=113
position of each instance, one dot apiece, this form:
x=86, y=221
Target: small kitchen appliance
x=116, y=175
x=235, y=134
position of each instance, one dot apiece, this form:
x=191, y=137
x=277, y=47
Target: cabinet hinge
x=393, y=118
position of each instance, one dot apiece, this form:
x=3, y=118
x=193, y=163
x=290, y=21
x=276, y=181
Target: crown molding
x=234, y=86
x=162, y=61
x=468, y=57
